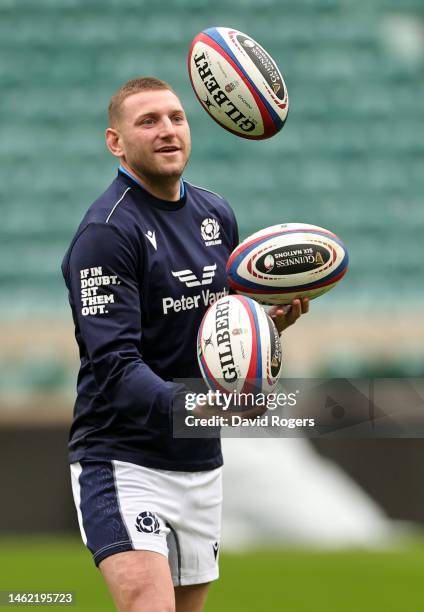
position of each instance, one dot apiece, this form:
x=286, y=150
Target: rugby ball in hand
x=238, y=347
x=283, y=262
x=238, y=83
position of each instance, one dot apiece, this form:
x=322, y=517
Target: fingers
x=299, y=306
x=305, y=305
x=286, y=315
x=275, y=311
x=296, y=310
x=284, y=309
x=293, y=315
x=279, y=312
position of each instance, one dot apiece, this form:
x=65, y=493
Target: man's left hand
x=285, y=315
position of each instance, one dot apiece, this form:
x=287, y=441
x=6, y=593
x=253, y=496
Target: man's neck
x=165, y=190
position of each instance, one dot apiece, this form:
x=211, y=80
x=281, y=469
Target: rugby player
x=147, y=260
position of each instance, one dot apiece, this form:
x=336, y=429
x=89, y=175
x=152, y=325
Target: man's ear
x=113, y=142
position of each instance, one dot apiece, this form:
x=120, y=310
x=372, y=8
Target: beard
x=159, y=169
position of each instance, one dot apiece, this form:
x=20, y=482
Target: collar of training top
x=129, y=180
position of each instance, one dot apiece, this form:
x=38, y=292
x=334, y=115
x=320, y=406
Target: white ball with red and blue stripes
x=238, y=347
x=287, y=261
x=238, y=83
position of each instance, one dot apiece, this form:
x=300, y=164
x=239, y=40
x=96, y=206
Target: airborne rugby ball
x=238, y=347
x=283, y=262
x=238, y=83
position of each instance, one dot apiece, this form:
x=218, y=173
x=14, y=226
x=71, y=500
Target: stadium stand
x=350, y=157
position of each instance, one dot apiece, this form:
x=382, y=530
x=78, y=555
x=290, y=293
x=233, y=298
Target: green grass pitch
x=265, y=581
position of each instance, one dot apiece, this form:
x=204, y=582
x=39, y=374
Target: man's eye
x=148, y=121
x=178, y=118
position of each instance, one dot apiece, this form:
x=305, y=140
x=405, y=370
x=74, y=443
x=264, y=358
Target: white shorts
x=122, y=506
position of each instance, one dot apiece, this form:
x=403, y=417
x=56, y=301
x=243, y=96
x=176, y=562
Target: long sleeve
x=103, y=278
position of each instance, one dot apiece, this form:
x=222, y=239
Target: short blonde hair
x=128, y=89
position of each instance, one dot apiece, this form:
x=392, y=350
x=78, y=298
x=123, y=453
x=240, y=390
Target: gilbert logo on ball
x=287, y=261
x=238, y=347
x=238, y=83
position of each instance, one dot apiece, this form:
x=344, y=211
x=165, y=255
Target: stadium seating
x=350, y=156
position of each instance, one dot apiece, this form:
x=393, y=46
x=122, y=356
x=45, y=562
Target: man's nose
x=167, y=127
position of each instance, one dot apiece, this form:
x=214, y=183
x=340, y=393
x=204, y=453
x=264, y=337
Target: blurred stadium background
x=350, y=158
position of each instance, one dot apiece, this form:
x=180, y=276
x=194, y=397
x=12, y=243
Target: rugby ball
x=238, y=347
x=238, y=83
x=283, y=262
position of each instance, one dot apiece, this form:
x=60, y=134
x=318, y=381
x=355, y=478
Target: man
x=146, y=261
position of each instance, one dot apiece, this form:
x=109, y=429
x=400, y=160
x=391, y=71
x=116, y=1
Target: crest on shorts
x=147, y=522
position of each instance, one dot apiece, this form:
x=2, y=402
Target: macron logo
x=152, y=239
x=190, y=280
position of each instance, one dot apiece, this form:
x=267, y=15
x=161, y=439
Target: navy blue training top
x=141, y=272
